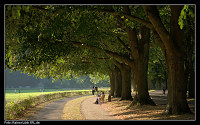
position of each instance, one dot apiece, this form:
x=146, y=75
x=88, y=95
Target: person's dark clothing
x=96, y=88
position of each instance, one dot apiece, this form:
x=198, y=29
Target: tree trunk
x=112, y=84
x=173, y=43
x=141, y=67
x=126, y=82
x=133, y=83
x=142, y=95
x=118, y=82
x=177, y=102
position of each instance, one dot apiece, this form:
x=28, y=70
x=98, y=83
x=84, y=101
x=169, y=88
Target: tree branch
x=153, y=15
x=124, y=45
x=132, y=36
x=115, y=55
x=118, y=64
x=142, y=21
x=39, y=8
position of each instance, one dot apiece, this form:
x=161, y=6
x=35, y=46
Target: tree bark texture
x=141, y=67
x=117, y=82
x=126, y=80
x=177, y=102
x=173, y=43
x=112, y=85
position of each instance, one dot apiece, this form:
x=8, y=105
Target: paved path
x=93, y=111
x=90, y=111
x=161, y=99
x=52, y=111
x=158, y=97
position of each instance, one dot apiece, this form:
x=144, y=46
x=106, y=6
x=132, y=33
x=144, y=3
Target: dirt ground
x=121, y=111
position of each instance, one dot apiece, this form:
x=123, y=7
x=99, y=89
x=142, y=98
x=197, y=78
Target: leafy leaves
x=185, y=12
x=39, y=38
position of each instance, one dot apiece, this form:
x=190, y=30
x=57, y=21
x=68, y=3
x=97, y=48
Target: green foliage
x=96, y=78
x=156, y=65
x=187, y=11
x=165, y=14
x=41, y=42
x=39, y=38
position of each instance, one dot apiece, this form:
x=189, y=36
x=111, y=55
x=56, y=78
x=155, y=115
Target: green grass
x=17, y=103
x=15, y=97
x=38, y=90
x=72, y=110
x=10, y=96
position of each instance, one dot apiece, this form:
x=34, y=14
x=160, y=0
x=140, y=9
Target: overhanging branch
x=124, y=45
x=115, y=55
x=142, y=21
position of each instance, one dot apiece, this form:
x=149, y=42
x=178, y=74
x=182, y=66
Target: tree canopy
x=39, y=40
x=61, y=41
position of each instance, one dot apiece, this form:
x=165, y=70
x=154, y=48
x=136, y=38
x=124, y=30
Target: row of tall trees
x=58, y=41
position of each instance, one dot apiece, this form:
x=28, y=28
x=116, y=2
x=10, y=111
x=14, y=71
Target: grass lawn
x=10, y=96
x=72, y=110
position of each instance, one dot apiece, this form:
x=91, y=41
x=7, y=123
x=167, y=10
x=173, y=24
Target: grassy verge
x=10, y=96
x=72, y=110
x=15, y=109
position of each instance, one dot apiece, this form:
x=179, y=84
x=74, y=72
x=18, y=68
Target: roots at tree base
x=142, y=101
x=148, y=101
x=169, y=110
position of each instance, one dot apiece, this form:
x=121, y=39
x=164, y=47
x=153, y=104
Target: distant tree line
x=17, y=79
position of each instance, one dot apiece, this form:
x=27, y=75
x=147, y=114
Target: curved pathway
x=93, y=111
x=52, y=111
x=89, y=110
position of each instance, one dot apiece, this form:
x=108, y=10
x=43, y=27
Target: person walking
x=163, y=91
x=96, y=89
x=93, y=90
